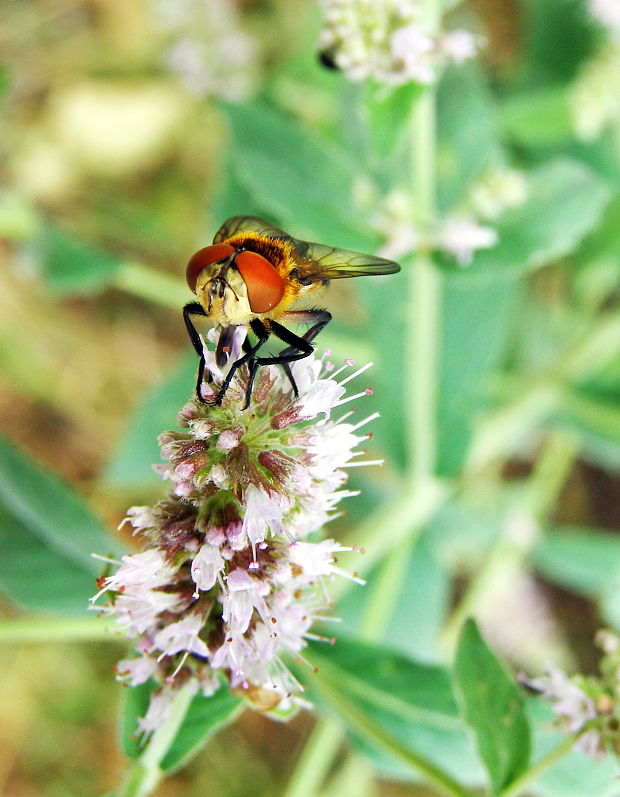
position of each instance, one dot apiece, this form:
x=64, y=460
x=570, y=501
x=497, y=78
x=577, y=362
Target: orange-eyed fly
x=253, y=275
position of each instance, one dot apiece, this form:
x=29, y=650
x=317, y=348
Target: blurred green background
x=131, y=131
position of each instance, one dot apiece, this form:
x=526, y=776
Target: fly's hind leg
x=298, y=346
x=318, y=319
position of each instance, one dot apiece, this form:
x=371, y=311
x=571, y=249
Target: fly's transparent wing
x=319, y=262
x=249, y=225
x=315, y=262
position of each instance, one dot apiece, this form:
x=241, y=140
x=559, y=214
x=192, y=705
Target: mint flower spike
x=388, y=42
x=587, y=705
x=229, y=583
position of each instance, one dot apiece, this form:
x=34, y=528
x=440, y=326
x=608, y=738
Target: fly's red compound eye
x=205, y=257
x=265, y=286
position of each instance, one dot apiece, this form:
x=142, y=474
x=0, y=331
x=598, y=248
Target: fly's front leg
x=262, y=334
x=193, y=308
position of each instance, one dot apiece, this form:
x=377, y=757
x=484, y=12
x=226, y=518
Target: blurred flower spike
x=207, y=48
x=229, y=583
x=608, y=13
x=388, y=42
x=588, y=706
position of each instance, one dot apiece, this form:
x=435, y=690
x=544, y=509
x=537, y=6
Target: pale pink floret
x=206, y=566
x=182, y=637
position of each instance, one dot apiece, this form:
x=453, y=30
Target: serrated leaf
x=47, y=536
x=493, y=707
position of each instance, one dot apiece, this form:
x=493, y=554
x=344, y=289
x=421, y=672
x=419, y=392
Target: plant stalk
x=146, y=773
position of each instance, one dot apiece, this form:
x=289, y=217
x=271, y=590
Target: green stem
x=155, y=286
x=517, y=786
x=144, y=776
x=316, y=760
x=425, y=299
x=43, y=629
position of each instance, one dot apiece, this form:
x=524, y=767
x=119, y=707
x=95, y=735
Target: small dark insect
x=252, y=275
x=328, y=60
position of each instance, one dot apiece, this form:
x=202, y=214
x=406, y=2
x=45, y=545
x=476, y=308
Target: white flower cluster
x=230, y=583
x=387, y=41
x=208, y=49
x=594, y=99
x=461, y=234
x=607, y=12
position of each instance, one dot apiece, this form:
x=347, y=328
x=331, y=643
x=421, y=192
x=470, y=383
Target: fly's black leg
x=321, y=319
x=298, y=347
x=262, y=334
x=193, y=308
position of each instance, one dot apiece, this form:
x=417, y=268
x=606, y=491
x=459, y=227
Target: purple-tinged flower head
x=587, y=705
x=229, y=583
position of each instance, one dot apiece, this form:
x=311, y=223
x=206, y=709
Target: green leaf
x=420, y=602
x=583, y=560
x=493, y=706
x=233, y=199
x=597, y=421
x=47, y=536
x=472, y=344
x=74, y=267
x=386, y=302
x=387, y=113
x=477, y=318
x=205, y=716
x=565, y=202
x=130, y=467
x=136, y=701
x=303, y=180
x=380, y=694
x=559, y=36
x=467, y=134
x=539, y=117
x=602, y=243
